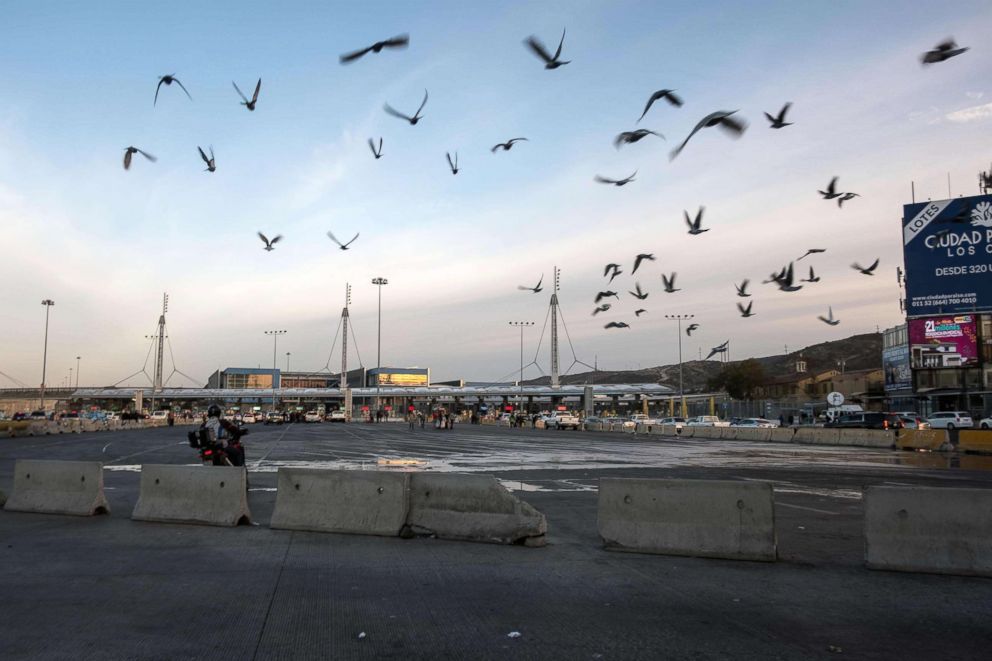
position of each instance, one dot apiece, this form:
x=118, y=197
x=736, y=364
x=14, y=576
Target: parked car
x=562, y=420
x=951, y=420
x=913, y=421
x=160, y=415
x=312, y=416
x=274, y=418
x=867, y=420
x=676, y=421
x=337, y=416
x=38, y=415
x=592, y=419
x=706, y=421
x=755, y=422
x=985, y=423
x=248, y=418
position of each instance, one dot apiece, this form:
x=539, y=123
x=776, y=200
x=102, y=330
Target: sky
x=105, y=243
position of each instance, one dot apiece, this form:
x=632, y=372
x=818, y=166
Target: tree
x=739, y=379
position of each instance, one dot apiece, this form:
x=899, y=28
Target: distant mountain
x=858, y=352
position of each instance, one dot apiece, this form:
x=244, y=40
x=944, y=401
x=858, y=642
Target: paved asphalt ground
x=110, y=588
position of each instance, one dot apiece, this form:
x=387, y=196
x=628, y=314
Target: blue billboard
x=947, y=248
x=895, y=366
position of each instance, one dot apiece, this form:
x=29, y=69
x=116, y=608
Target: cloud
x=974, y=95
x=971, y=114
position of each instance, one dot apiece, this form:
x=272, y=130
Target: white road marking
x=808, y=509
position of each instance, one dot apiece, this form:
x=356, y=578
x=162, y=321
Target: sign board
x=561, y=408
x=942, y=342
x=895, y=367
x=835, y=399
x=508, y=407
x=365, y=408
x=388, y=408
x=947, y=248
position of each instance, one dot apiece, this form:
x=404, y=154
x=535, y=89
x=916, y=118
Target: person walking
x=411, y=417
x=423, y=418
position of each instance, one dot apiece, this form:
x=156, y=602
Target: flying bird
x=637, y=293
x=669, y=283
x=211, y=162
x=695, y=225
x=845, y=197
x=413, y=120
x=616, y=182
x=867, y=271
x=268, y=243
x=452, y=165
x=375, y=152
x=605, y=294
x=508, y=145
x=831, y=191
x=812, y=276
x=342, y=246
x=721, y=118
x=945, y=50
x=640, y=258
x=690, y=328
x=535, y=289
x=615, y=268
x=630, y=137
x=778, y=121
x=401, y=41
x=742, y=288
x=718, y=349
x=616, y=324
x=602, y=308
x=667, y=95
x=539, y=49
x=785, y=282
x=639, y=312
x=813, y=251
x=829, y=319
x=168, y=80
x=250, y=105
x=131, y=151
x=745, y=311
x=775, y=277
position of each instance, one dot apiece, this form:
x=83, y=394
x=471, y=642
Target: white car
x=562, y=420
x=337, y=416
x=160, y=415
x=677, y=422
x=248, y=419
x=311, y=416
x=985, y=423
x=951, y=420
x=761, y=423
x=706, y=421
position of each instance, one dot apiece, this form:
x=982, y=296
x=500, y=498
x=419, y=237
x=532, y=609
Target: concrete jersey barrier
x=931, y=530
x=975, y=440
x=210, y=495
x=58, y=487
x=869, y=438
x=709, y=518
x=921, y=439
x=343, y=501
x=472, y=507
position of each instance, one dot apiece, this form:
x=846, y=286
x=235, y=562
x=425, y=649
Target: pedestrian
x=412, y=419
x=451, y=421
x=423, y=418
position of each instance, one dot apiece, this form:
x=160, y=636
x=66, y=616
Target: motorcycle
x=213, y=453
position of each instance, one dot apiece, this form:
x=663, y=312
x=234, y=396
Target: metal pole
x=287, y=360
x=379, y=282
x=520, y=381
x=48, y=303
x=275, y=341
x=678, y=318
x=78, y=358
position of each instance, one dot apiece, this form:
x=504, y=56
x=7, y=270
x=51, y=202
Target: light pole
x=275, y=341
x=679, y=318
x=287, y=360
x=379, y=282
x=78, y=358
x=48, y=303
x=520, y=382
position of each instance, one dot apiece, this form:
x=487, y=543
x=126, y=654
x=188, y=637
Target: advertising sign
x=947, y=247
x=895, y=366
x=940, y=342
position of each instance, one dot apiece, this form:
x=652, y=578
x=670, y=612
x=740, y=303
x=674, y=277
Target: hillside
x=859, y=352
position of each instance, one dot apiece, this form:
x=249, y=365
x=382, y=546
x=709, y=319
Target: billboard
x=401, y=379
x=940, y=342
x=947, y=248
x=895, y=366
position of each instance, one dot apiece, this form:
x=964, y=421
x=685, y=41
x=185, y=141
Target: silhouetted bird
x=845, y=197
x=616, y=324
x=695, y=225
x=637, y=293
x=616, y=182
x=813, y=251
x=602, y=308
x=776, y=277
x=416, y=116
x=721, y=118
x=452, y=165
x=508, y=145
x=779, y=120
x=130, y=151
x=831, y=191
x=376, y=152
x=342, y=246
x=812, y=276
x=638, y=312
x=605, y=294
x=254, y=97
x=630, y=137
x=534, y=289
x=549, y=62
x=945, y=50
x=718, y=349
x=829, y=319
x=401, y=41
x=785, y=283
x=269, y=244
x=669, y=283
x=745, y=311
x=867, y=271
x=667, y=95
x=742, y=288
x=614, y=268
x=690, y=328
x=211, y=162
x=168, y=80
x=640, y=258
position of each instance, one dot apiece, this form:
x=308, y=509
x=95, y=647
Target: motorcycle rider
x=225, y=434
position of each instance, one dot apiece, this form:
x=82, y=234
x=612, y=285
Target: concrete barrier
x=58, y=487
x=817, y=436
x=754, y=433
x=922, y=439
x=975, y=440
x=345, y=501
x=868, y=438
x=728, y=433
x=211, y=495
x=781, y=435
x=931, y=530
x=3, y=498
x=709, y=518
x=667, y=430
x=472, y=507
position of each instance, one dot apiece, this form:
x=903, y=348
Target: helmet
x=213, y=411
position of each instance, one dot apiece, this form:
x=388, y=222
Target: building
x=264, y=378
x=398, y=376
x=897, y=374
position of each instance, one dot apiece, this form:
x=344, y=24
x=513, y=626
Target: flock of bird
x=727, y=120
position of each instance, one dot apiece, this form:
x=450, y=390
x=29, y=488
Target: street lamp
x=520, y=382
x=78, y=358
x=48, y=303
x=679, y=318
x=287, y=360
x=379, y=282
x=275, y=340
